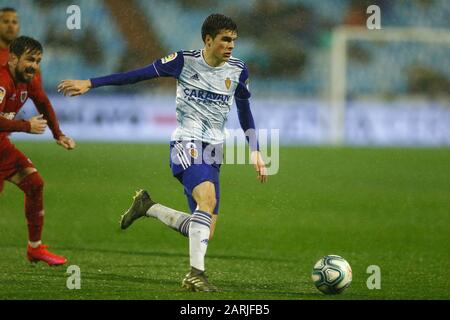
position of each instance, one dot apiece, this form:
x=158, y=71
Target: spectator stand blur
x=285, y=43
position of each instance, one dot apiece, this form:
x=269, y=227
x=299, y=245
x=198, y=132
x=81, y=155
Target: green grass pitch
x=373, y=206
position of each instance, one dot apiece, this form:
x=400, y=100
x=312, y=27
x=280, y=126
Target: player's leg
x=19, y=170
x=184, y=226
x=177, y=220
x=144, y=206
x=215, y=213
x=31, y=183
x=202, y=221
x=194, y=206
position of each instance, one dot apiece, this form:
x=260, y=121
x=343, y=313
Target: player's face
x=223, y=44
x=9, y=26
x=27, y=66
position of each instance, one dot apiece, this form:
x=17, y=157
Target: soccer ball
x=332, y=274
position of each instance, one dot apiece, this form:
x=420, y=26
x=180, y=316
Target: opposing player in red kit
x=18, y=82
x=9, y=29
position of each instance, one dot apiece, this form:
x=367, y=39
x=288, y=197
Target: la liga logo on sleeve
x=169, y=58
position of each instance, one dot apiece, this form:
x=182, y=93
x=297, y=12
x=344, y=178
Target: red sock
x=33, y=187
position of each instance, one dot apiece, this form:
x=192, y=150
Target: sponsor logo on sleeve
x=169, y=58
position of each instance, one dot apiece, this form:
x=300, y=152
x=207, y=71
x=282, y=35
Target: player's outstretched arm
x=169, y=66
x=74, y=88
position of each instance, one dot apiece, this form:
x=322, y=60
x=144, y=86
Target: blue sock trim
x=202, y=212
x=184, y=227
x=201, y=217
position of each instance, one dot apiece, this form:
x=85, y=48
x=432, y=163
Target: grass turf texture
x=387, y=207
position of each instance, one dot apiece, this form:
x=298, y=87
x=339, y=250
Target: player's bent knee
x=32, y=184
x=37, y=183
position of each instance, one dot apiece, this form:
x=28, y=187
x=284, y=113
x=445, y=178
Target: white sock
x=34, y=244
x=200, y=223
x=168, y=216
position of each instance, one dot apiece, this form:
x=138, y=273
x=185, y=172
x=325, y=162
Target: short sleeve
x=171, y=65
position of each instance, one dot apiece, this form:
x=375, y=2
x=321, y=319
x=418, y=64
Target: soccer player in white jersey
x=208, y=81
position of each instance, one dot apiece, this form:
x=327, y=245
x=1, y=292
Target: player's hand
x=74, y=88
x=259, y=165
x=66, y=142
x=37, y=124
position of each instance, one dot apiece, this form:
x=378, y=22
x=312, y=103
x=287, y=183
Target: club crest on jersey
x=169, y=58
x=2, y=94
x=228, y=83
x=23, y=96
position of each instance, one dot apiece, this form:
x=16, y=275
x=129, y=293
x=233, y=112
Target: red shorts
x=11, y=161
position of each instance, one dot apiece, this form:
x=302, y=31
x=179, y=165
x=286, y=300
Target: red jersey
x=14, y=95
x=4, y=55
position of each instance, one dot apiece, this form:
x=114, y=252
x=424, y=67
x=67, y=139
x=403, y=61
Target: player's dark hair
x=24, y=44
x=216, y=22
x=7, y=9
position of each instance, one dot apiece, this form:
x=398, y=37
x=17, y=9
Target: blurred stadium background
x=383, y=92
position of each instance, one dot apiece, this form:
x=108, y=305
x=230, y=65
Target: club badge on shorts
x=192, y=150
